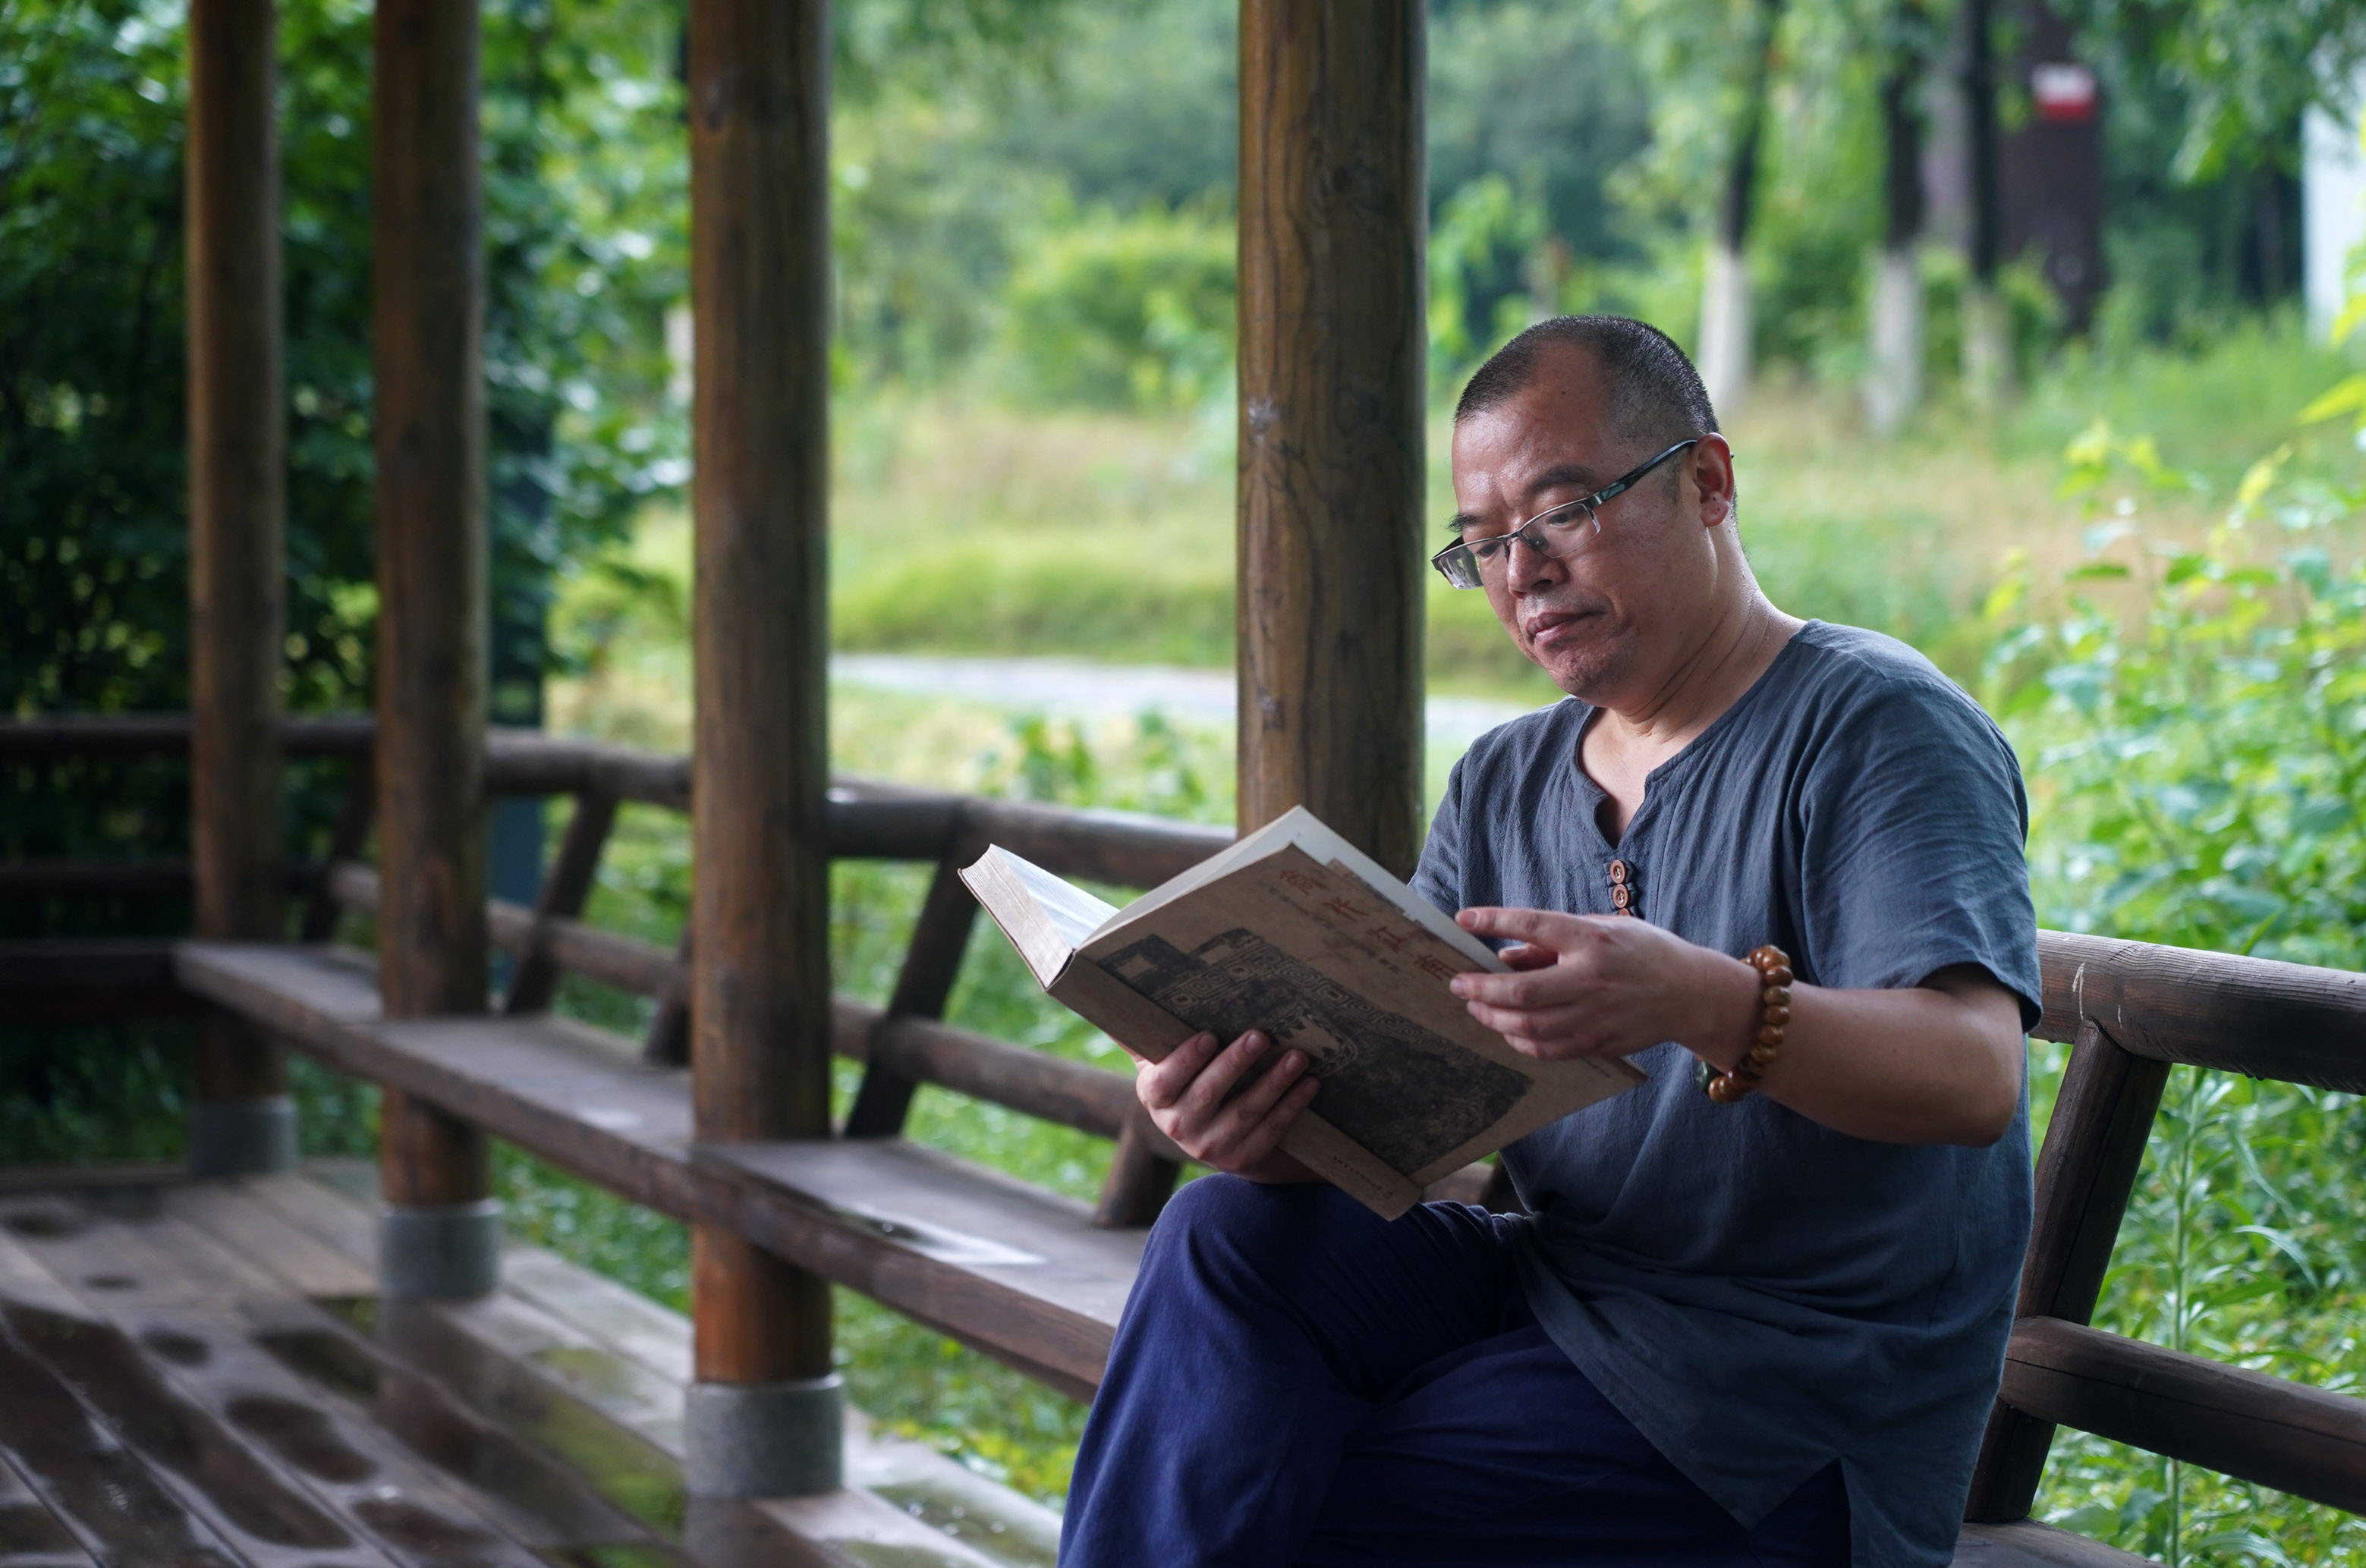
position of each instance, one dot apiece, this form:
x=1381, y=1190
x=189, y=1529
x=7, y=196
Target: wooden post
x=2086, y=1169
x=764, y=1416
x=242, y=1121
x=441, y=1231
x=1332, y=342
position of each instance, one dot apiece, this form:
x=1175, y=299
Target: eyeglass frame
x=1592, y=505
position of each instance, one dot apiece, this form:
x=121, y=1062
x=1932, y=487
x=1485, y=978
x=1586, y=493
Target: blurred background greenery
x=2124, y=536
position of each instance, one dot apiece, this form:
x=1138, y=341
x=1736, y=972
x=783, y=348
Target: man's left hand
x=1591, y=985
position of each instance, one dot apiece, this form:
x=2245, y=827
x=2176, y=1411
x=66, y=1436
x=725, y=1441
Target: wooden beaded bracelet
x=1774, y=966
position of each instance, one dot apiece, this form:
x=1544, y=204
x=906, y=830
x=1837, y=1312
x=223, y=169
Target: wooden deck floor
x=200, y=1374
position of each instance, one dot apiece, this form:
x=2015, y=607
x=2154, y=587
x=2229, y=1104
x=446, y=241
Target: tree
x=1894, y=380
x=1724, y=326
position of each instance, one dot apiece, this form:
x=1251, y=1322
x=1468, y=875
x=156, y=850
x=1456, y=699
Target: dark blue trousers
x=1297, y=1381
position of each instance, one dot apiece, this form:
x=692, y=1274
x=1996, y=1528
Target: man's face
x=1602, y=620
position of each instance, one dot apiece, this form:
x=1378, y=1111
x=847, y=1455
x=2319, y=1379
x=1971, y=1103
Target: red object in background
x=2062, y=91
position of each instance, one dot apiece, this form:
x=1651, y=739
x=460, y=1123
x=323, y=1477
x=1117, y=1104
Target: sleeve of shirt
x=1914, y=856
x=1439, y=875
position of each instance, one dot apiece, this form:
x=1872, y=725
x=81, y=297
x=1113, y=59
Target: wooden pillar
x=440, y=1232
x=764, y=1413
x=242, y=1121
x=1332, y=343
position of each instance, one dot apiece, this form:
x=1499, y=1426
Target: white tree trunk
x=1893, y=382
x=1725, y=331
x=1987, y=347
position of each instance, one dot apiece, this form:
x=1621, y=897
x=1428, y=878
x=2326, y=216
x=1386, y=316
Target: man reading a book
x=1763, y=1325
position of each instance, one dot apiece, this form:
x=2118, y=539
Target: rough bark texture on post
x=1332, y=387
x=431, y=565
x=760, y=1416
x=2086, y=1169
x=237, y=605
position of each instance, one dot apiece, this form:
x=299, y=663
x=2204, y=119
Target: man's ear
x=1713, y=477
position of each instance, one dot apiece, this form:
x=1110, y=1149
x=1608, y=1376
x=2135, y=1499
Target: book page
x=1045, y=917
x=1302, y=827
x=1325, y=963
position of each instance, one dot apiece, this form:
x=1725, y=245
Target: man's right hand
x=1187, y=1096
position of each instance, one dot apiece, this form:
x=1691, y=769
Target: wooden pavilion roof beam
x=241, y=1119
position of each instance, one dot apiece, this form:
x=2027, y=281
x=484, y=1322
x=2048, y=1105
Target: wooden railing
x=2130, y=1011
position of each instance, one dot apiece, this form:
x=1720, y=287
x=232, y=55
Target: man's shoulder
x=1868, y=713
x=1851, y=674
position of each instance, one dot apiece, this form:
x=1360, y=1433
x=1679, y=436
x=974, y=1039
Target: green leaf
x=2347, y=396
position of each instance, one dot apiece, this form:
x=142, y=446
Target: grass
x=970, y=529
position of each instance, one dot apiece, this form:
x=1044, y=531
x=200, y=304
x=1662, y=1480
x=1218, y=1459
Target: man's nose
x=1529, y=567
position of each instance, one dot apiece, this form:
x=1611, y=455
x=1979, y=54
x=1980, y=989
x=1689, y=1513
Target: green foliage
x=1117, y=311
x=2203, y=775
x=2198, y=757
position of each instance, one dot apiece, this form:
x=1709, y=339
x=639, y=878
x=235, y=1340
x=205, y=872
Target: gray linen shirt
x=1762, y=1296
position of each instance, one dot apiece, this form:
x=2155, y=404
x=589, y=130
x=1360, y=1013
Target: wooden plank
x=111, y=1175
x=1124, y=847
x=150, y=879
x=1330, y=580
x=230, y=1215
x=184, y=1309
x=666, y=1044
x=564, y=887
x=323, y=1216
x=759, y=916
x=259, y=1511
x=1141, y=1174
x=1053, y=1089
x=624, y=1320
x=632, y=1372
x=2086, y=1169
x=59, y=735
x=84, y=1476
x=73, y=980
x=1013, y=1270
x=918, y=1050
x=2028, y=1544
x=473, y=1472
x=2291, y=1021
x=575, y=1327
x=931, y=964
x=942, y=1240
x=2244, y=1424
x=31, y=1536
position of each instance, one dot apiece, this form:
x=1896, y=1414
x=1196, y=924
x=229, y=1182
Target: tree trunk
x=1988, y=349
x=1725, y=328
x=1894, y=378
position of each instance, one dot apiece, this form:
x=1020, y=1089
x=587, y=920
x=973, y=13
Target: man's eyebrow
x=1566, y=476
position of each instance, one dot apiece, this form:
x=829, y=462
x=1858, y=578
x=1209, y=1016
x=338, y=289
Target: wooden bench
x=1037, y=1281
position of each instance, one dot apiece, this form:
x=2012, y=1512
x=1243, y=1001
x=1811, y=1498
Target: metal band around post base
x=445, y=1253
x=764, y=1440
x=241, y=1138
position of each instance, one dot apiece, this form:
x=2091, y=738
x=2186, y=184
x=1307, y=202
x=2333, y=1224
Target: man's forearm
x=1935, y=1063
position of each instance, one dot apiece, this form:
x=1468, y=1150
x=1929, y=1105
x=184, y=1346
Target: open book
x=1294, y=932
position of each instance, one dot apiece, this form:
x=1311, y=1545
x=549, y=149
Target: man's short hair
x=1656, y=396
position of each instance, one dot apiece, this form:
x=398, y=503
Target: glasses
x=1556, y=531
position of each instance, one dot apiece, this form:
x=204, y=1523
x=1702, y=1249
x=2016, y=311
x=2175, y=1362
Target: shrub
x=1125, y=310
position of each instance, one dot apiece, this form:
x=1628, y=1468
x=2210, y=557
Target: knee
x=1223, y=1224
